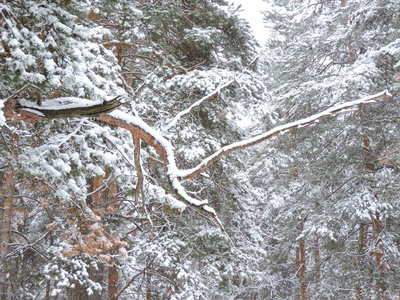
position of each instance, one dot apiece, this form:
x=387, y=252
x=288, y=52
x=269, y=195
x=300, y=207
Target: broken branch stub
x=70, y=107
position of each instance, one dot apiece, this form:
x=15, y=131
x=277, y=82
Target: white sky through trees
x=251, y=11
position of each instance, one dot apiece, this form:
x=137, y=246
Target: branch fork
x=31, y=112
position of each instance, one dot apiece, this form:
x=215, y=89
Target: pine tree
x=329, y=182
x=79, y=177
x=117, y=121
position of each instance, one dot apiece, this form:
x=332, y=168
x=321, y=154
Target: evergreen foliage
x=331, y=189
x=91, y=210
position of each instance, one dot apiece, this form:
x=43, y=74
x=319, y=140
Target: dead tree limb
x=70, y=107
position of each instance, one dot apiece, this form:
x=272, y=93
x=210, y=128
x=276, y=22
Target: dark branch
x=70, y=107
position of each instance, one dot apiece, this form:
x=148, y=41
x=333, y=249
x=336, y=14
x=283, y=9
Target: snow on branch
x=197, y=103
x=207, y=97
x=71, y=107
x=140, y=130
x=335, y=110
x=78, y=107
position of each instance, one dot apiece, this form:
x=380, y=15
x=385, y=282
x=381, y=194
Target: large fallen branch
x=31, y=112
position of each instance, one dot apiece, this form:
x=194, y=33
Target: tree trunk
x=377, y=228
x=377, y=223
x=104, y=194
x=317, y=263
x=148, y=287
x=112, y=281
x=97, y=182
x=7, y=191
x=369, y=159
x=48, y=287
x=303, y=288
x=358, y=260
x=301, y=262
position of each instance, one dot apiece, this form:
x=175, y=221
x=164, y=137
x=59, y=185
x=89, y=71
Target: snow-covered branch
x=70, y=107
x=198, y=103
x=142, y=131
x=207, y=97
x=335, y=110
x=32, y=112
x=139, y=129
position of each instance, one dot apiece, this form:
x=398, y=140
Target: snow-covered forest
x=152, y=149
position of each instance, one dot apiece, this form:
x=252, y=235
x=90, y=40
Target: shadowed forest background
x=136, y=197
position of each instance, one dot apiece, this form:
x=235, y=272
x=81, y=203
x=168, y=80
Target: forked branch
x=142, y=131
x=335, y=110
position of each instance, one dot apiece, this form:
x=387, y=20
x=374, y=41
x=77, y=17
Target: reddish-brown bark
x=112, y=281
x=7, y=191
x=300, y=263
x=376, y=221
x=317, y=263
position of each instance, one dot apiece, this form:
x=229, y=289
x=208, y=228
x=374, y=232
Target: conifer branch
x=142, y=131
x=207, y=97
x=335, y=110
